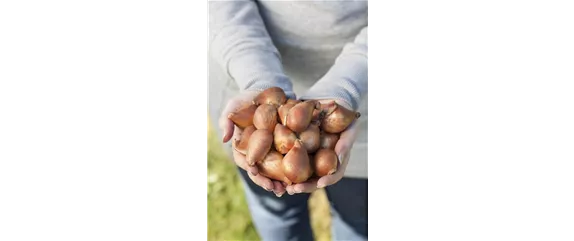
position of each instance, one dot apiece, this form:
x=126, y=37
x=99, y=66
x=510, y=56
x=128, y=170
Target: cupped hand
x=342, y=149
x=230, y=130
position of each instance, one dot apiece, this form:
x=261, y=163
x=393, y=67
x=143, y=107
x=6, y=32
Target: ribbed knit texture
x=242, y=44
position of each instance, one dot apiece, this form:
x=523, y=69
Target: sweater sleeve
x=240, y=43
x=347, y=78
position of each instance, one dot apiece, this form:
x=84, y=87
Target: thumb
x=225, y=124
x=346, y=141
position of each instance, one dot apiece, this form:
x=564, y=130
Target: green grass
x=228, y=215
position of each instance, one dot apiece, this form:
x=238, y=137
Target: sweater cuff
x=343, y=81
x=258, y=70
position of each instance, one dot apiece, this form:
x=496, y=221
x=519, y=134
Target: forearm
x=239, y=42
x=347, y=79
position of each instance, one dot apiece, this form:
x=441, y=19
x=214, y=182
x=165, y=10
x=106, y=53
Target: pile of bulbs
x=290, y=140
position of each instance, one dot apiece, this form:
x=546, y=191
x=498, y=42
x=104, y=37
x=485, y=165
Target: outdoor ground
x=228, y=216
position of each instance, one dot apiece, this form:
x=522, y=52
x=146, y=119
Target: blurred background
x=202, y=115
x=228, y=215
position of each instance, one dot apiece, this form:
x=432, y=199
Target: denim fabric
x=286, y=218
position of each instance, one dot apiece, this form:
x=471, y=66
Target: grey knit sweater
x=311, y=49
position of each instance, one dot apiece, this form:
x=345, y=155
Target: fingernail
x=290, y=193
x=340, y=157
x=223, y=137
x=320, y=186
x=278, y=195
x=253, y=173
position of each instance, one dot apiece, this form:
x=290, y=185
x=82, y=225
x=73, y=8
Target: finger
x=237, y=133
x=346, y=140
x=289, y=189
x=278, y=189
x=241, y=161
x=225, y=124
x=261, y=181
x=307, y=187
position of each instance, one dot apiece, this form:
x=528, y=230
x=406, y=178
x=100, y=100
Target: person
x=317, y=49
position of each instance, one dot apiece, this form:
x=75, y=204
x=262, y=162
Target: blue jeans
x=287, y=217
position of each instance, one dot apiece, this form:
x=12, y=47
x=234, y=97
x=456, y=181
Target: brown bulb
x=271, y=167
x=299, y=117
x=259, y=145
x=271, y=96
x=337, y=118
x=328, y=140
x=283, y=138
x=296, y=164
x=283, y=110
x=311, y=138
x=241, y=144
x=265, y=117
x=325, y=162
x=243, y=117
